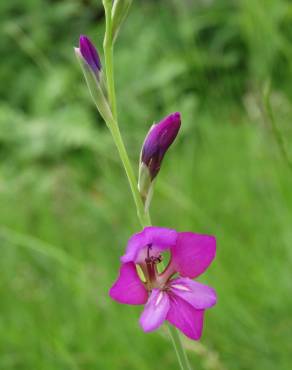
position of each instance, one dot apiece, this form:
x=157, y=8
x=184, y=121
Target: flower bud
x=89, y=54
x=119, y=13
x=91, y=67
x=157, y=141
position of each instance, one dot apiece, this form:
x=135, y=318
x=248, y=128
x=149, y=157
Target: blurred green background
x=66, y=210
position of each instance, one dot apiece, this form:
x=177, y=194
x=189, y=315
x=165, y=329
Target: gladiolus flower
x=170, y=295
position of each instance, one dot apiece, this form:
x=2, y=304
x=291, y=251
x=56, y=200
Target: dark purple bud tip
x=89, y=53
x=158, y=140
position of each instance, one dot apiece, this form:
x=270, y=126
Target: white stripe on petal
x=159, y=298
x=181, y=287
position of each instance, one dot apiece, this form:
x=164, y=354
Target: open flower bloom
x=171, y=294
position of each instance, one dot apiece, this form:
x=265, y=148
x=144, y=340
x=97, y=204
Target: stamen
x=151, y=262
x=158, y=259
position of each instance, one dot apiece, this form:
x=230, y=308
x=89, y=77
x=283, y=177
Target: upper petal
x=185, y=317
x=128, y=288
x=198, y=295
x=193, y=253
x=155, y=310
x=160, y=238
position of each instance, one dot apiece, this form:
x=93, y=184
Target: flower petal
x=129, y=288
x=155, y=310
x=193, y=253
x=198, y=295
x=185, y=317
x=160, y=238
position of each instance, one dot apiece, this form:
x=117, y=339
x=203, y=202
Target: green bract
x=119, y=13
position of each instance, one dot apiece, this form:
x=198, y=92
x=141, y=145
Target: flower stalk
x=108, y=110
x=143, y=215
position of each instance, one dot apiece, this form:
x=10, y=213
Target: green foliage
x=65, y=206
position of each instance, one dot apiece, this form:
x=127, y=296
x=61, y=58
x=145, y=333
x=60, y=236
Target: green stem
x=108, y=55
x=179, y=349
x=144, y=217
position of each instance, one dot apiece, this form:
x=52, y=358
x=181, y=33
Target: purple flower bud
x=158, y=140
x=89, y=53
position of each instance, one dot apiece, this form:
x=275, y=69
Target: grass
x=66, y=210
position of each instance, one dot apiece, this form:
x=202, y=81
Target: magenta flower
x=89, y=53
x=177, y=299
x=158, y=140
